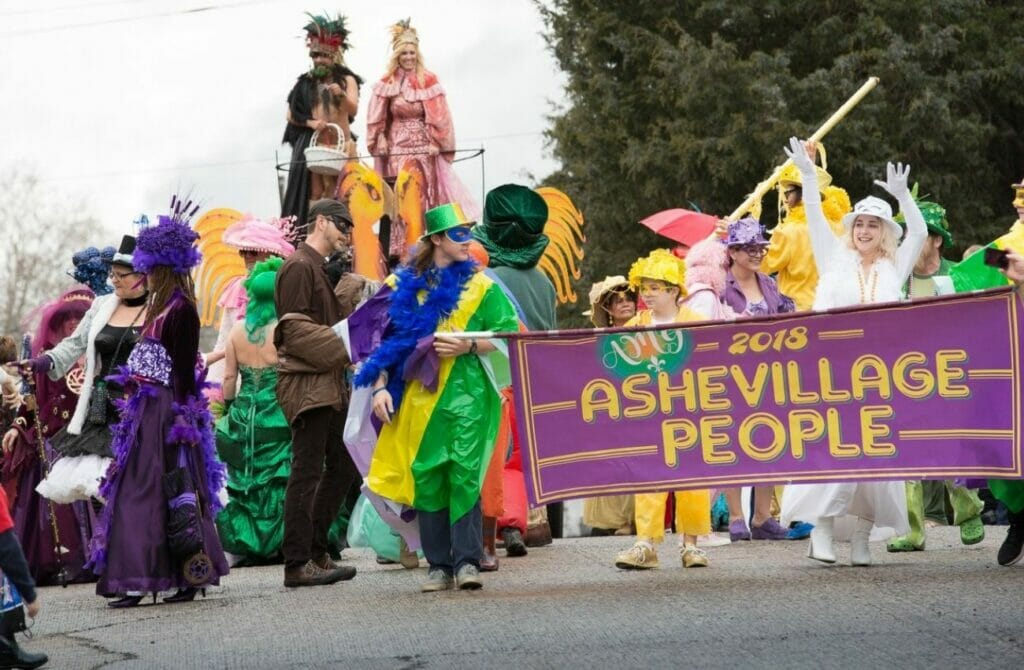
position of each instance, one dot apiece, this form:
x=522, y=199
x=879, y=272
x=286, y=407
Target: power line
x=127, y=19
x=55, y=10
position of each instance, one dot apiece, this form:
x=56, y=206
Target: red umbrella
x=681, y=225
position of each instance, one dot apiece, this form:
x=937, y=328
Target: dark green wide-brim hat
x=444, y=217
x=934, y=216
x=512, y=230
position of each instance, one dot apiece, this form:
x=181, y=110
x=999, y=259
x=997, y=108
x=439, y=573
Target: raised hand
x=896, y=179
x=797, y=152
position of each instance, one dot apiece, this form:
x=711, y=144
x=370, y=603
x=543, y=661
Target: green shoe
x=972, y=531
x=903, y=543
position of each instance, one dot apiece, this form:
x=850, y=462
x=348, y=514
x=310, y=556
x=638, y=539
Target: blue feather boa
x=411, y=321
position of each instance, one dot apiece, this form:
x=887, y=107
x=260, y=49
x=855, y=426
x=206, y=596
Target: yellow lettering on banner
x=752, y=390
x=914, y=382
x=870, y=372
x=649, y=400
x=778, y=433
x=835, y=444
x=709, y=389
x=677, y=435
x=778, y=384
x=709, y=439
x=829, y=393
x=599, y=395
x=667, y=393
x=797, y=395
x=805, y=425
x=948, y=373
x=870, y=431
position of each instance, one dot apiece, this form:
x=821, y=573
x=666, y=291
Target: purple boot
x=738, y=530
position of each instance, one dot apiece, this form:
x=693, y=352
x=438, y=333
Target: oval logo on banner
x=646, y=351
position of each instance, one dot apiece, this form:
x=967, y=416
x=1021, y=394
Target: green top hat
x=443, y=217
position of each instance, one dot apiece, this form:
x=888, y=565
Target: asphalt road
x=566, y=606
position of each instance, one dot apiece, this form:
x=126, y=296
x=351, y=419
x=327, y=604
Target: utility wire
x=127, y=19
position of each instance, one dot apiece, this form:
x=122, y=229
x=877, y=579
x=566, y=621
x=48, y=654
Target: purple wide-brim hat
x=746, y=231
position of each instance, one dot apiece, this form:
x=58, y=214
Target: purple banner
x=923, y=390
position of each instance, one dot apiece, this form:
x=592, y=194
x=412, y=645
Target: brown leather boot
x=539, y=535
x=489, y=559
x=325, y=562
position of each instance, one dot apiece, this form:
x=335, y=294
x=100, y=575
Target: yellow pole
x=820, y=133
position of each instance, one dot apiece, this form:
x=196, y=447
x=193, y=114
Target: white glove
x=895, y=183
x=797, y=153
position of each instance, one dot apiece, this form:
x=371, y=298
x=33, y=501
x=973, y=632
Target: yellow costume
x=790, y=255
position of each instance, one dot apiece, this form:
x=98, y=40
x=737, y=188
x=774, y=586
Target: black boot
x=13, y=656
x=1013, y=546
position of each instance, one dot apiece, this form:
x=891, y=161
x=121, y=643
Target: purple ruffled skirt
x=130, y=551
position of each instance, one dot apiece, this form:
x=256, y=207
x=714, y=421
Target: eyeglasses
x=753, y=249
x=120, y=276
x=459, y=234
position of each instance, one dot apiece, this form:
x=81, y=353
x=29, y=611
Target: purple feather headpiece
x=171, y=242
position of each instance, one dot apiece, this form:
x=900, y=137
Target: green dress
x=254, y=441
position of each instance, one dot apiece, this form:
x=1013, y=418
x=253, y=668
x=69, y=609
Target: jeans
x=448, y=546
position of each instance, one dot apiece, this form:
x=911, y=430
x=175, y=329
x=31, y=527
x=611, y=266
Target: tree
x=40, y=232
x=691, y=102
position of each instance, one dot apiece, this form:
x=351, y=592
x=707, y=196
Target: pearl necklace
x=861, y=284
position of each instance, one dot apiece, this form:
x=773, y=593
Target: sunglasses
x=620, y=295
x=653, y=289
x=318, y=54
x=459, y=234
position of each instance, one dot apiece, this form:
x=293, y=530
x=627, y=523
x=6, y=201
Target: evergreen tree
x=669, y=104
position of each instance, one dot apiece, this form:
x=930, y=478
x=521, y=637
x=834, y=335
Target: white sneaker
x=713, y=540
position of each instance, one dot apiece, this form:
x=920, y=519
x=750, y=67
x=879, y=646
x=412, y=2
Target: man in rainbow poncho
x=436, y=397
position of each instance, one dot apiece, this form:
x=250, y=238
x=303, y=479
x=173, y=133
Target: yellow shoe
x=641, y=556
x=693, y=557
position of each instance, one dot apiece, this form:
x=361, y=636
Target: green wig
x=260, y=288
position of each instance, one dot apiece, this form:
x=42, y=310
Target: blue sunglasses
x=459, y=234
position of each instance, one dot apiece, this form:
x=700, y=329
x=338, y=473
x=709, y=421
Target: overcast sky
x=125, y=101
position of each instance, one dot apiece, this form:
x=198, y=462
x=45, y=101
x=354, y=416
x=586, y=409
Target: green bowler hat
x=443, y=217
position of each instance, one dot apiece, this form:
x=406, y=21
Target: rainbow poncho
x=434, y=453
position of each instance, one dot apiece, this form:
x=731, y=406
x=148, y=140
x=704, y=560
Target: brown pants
x=322, y=474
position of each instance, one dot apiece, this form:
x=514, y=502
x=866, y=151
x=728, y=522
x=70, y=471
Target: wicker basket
x=326, y=159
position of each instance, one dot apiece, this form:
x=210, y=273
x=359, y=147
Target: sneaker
x=641, y=556
x=712, y=540
x=738, y=531
x=1013, y=546
x=468, y=578
x=437, y=580
x=769, y=530
x=693, y=557
x=514, y=545
x=312, y=574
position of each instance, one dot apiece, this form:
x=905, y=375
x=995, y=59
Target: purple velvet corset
x=150, y=362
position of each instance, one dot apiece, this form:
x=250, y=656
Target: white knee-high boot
x=860, y=552
x=821, y=548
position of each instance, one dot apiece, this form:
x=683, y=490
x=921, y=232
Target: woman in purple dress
x=165, y=432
